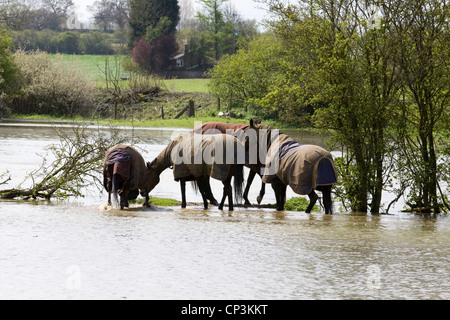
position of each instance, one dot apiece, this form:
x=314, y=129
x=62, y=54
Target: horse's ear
x=251, y=123
x=149, y=165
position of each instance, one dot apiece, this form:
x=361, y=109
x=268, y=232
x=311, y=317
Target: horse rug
x=302, y=167
x=129, y=163
x=236, y=130
x=205, y=155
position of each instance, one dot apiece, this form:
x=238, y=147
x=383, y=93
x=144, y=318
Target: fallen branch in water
x=77, y=161
x=6, y=181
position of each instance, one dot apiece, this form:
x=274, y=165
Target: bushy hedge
x=51, y=86
x=69, y=42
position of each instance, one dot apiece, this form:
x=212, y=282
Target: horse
x=305, y=168
x=237, y=130
x=182, y=155
x=125, y=174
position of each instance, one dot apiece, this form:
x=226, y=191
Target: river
x=73, y=249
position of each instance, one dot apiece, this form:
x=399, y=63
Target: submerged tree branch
x=77, y=162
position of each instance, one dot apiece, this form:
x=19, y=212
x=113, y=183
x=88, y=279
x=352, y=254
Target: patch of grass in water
x=298, y=204
x=159, y=202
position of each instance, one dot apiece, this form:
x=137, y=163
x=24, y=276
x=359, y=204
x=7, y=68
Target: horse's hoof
x=247, y=203
x=146, y=205
x=259, y=199
x=213, y=203
x=220, y=208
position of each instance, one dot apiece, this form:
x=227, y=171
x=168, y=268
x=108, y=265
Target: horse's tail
x=115, y=190
x=238, y=174
x=195, y=186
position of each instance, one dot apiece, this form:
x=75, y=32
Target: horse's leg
x=277, y=188
x=262, y=192
x=107, y=182
x=147, y=199
x=183, y=193
x=208, y=191
x=203, y=185
x=312, y=201
x=227, y=192
x=124, y=193
x=283, y=188
x=250, y=178
x=230, y=195
x=224, y=196
x=327, y=202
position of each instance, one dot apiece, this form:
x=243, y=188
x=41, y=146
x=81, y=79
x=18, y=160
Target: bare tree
x=75, y=164
x=109, y=13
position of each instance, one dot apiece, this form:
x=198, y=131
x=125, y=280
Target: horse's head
x=152, y=175
x=264, y=133
x=257, y=125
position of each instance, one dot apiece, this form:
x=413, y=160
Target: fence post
x=191, y=112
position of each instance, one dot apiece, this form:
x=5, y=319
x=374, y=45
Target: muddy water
x=72, y=250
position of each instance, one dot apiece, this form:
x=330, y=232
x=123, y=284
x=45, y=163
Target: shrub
x=51, y=86
x=298, y=204
x=95, y=42
x=69, y=42
x=141, y=54
x=154, y=57
x=8, y=68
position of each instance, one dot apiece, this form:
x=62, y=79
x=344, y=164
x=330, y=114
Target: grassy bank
x=149, y=102
x=187, y=123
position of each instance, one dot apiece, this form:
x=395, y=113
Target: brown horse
x=125, y=174
x=196, y=158
x=305, y=168
x=238, y=131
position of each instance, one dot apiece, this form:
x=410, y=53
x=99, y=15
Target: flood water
x=73, y=249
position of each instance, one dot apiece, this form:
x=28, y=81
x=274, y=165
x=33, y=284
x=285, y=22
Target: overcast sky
x=246, y=8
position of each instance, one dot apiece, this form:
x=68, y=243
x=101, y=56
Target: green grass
x=159, y=202
x=157, y=123
x=94, y=66
x=188, y=85
x=298, y=204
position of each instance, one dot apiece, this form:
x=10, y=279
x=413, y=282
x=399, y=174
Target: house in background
x=186, y=65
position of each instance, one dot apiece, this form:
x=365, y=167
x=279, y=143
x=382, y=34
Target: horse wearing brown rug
x=124, y=175
x=198, y=157
x=305, y=168
x=238, y=131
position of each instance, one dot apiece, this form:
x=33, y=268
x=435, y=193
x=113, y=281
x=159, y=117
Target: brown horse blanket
x=302, y=167
x=195, y=155
x=127, y=162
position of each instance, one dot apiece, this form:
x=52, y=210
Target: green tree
x=248, y=75
x=147, y=13
x=162, y=28
x=338, y=63
x=422, y=35
x=8, y=68
x=214, y=23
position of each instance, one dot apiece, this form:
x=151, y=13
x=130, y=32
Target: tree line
x=151, y=31
x=372, y=74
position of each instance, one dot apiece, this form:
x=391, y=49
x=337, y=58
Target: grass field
x=94, y=66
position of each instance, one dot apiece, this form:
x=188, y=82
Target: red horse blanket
x=129, y=163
